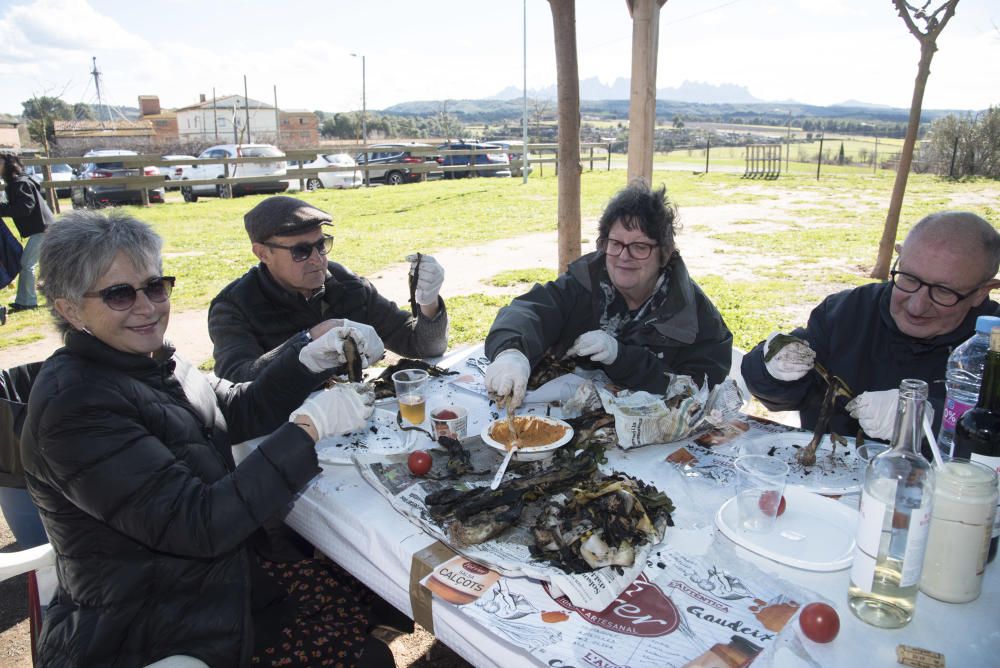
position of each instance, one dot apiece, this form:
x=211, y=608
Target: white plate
x=814, y=533
x=379, y=437
x=529, y=454
x=833, y=476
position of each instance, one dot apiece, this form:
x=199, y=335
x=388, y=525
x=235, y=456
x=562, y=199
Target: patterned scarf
x=615, y=314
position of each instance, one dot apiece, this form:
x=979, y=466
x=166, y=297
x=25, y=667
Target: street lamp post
x=364, y=120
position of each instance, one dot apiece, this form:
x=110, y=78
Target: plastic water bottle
x=963, y=377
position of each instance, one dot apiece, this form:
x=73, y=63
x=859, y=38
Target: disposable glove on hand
x=335, y=411
x=597, y=344
x=430, y=277
x=327, y=351
x=507, y=376
x=876, y=412
x=369, y=343
x=792, y=362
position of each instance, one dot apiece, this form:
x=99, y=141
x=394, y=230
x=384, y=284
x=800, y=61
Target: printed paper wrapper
x=642, y=418
x=679, y=607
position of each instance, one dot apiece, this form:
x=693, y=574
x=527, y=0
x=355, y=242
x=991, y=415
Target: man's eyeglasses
x=303, y=251
x=121, y=297
x=637, y=250
x=938, y=294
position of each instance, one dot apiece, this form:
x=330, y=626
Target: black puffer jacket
x=26, y=207
x=686, y=335
x=129, y=462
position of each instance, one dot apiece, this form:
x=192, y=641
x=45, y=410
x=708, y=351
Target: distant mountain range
x=689, y=91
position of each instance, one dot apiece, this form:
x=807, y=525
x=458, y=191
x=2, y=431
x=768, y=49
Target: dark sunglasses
x=121, y=297
x=303, y=251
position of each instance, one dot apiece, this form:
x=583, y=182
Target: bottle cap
x=985, y=323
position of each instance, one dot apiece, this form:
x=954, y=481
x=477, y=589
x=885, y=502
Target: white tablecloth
x=349, y=521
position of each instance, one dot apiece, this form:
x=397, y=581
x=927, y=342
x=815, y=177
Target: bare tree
x=568, y=93
x=934, y=22
x=539, y=110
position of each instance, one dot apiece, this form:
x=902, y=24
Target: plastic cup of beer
x=411, y=392
x=760, y=482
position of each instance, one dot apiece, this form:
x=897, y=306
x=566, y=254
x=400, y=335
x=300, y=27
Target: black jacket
x=685, y=336
x=25, y=206
x=254, y=321
x=128, y=460
x=15, y=387
x=855, y=337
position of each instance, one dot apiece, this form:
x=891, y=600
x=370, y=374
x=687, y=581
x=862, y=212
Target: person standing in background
x=31, y=215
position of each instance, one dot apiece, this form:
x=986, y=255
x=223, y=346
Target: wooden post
x=609, y=156
x=954, y=152
x=708, y=148
x=568, y=153
x=642, y=95
x=819, y=160
x=591, y=158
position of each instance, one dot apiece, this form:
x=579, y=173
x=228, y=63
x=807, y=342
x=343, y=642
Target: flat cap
x=281, y=215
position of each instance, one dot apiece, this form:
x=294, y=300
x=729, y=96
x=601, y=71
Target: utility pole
x=277, y=118
x=246, y=105
x=524, y=117
x=364, y=118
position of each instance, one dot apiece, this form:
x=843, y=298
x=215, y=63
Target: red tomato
x=419, y=462
x=766, y=503
x=819, y=622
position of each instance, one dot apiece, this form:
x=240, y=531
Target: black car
x=491, y=156
x=89, y=193
x=395, y=164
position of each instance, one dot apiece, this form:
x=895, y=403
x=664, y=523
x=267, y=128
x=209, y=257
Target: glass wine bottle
x=894, y=520
x=977, y=433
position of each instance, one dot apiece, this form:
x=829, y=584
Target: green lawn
x=837, y=223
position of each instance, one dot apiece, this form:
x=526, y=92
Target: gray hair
x=80, y=248
x=963, y=228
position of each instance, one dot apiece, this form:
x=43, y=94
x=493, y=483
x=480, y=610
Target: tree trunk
x=888, y=242
x=568, y=162
x=642, y=95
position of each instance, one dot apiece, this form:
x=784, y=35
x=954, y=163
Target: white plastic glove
x=327, y=351
x=430, y=277
x=791, y=362
x=507, y=376
x=369, y=343
x=335, y=411
x=596, y=344
x=876, y=412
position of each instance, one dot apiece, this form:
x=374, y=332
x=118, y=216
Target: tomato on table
x=419, y=462
x=766, y=503
x=819, y=622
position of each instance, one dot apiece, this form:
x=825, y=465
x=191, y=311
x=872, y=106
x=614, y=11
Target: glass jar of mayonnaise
x=965, y=500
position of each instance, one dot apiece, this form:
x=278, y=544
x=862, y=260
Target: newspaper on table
x=642, y=418
x=683, y=607
x=508, y=553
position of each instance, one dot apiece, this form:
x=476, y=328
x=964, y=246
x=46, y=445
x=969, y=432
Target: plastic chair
x=39, y=563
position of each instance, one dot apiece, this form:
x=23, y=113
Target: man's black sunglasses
x=121, y=297
x=302, y=252
x=939, y=294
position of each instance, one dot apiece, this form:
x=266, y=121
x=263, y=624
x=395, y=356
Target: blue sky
x=813, y=51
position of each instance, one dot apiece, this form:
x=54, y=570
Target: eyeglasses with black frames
x=939, y=294
x=303, y=251
x=637, y=250
x=122, y=297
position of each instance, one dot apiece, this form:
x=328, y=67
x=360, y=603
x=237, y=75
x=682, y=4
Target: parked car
x=337, y=179
x=392, y=164
x=514, y=150
x=60, y=172
x=276, y=168
x=498, y=161
x=173, y=172
x=87, y=191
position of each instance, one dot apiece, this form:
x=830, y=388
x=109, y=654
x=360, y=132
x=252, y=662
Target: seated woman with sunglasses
x=630, y=307
x=296, y=295
x=876, y=335
x=127, y=456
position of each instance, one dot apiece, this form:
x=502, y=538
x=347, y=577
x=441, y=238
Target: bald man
x=876, y=335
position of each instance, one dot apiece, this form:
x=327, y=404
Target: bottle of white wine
x=894, y=520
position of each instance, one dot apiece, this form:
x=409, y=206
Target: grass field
x=835, y=231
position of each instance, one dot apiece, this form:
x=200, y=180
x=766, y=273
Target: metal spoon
x=503, y=466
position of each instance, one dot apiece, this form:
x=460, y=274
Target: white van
x=269, y=167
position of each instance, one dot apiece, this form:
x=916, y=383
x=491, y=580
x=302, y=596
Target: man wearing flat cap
x=296, y=295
